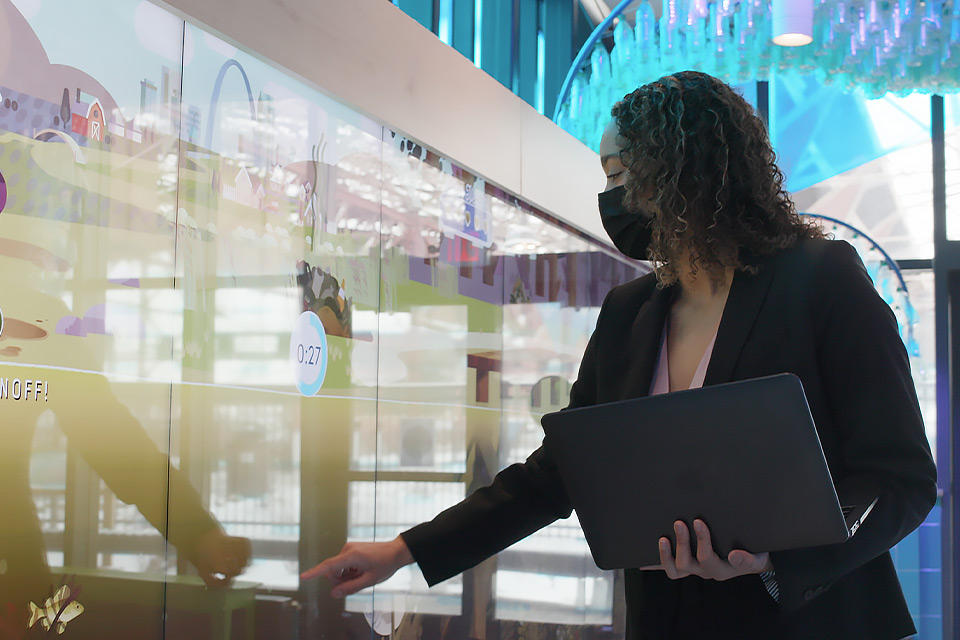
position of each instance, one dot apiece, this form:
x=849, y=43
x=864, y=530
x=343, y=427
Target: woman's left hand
x=707, y=564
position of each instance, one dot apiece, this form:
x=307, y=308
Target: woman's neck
x=701, y=288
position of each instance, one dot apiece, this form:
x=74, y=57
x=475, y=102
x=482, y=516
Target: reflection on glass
x=550, y=307
x=243, y=319
x=951, y=104
x=920, y=285
x=380, y=511
x=87, y=236
x=865, y=162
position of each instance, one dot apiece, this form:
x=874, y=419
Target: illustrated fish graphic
x=56, y=609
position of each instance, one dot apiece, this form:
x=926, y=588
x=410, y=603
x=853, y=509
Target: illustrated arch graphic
x=45, y=135
x=215, y=98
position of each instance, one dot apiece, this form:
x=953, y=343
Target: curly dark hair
x=700, y=163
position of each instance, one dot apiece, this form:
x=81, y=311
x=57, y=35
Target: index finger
x=351, y=584
x=325, y=569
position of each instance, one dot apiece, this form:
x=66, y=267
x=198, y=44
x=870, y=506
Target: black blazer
x=811, y=310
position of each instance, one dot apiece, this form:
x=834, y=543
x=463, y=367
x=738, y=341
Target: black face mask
x=630, y=231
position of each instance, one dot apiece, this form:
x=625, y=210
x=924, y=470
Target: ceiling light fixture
x=792, y=22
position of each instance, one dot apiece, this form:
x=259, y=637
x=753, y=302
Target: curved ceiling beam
x=584, y=53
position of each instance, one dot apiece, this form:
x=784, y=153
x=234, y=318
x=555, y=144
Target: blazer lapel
x=746, y=296
x=645, y=341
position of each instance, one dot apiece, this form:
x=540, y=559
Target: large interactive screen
x=234, y=310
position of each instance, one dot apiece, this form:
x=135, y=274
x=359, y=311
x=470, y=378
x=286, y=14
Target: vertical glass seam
x=176, y=238
x=380, y=296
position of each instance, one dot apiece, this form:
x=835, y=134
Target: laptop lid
x=744, y=457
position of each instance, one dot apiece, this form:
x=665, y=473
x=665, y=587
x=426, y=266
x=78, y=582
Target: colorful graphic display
x=235, y=312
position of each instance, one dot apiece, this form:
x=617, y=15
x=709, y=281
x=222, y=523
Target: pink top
x=661, y=378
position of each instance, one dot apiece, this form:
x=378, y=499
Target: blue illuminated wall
x=526, y=45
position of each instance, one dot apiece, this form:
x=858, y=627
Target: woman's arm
x=522, y=499
x=865, y=374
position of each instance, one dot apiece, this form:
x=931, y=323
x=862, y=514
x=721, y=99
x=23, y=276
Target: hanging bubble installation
x=877, y=46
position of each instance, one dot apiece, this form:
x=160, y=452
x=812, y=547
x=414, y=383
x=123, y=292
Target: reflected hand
x=707, y=564
x=219, y=558
x=360, y=565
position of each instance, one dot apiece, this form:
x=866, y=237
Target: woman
x=742, y=288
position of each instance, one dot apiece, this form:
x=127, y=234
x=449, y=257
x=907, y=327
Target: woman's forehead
x=609, y=145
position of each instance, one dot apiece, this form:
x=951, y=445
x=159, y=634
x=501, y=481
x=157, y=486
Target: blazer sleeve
x=871, y=398
x=523, y=498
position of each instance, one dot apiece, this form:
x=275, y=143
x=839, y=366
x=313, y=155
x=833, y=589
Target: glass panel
x=865, y=162
x=278, y=272
x=440, y=356
x=555, y=283
x=381, y=511
x=951, y=108
x=241, y=316
x=492, y=310
x=89, y=319
x=918, y=557
x=923, y=354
